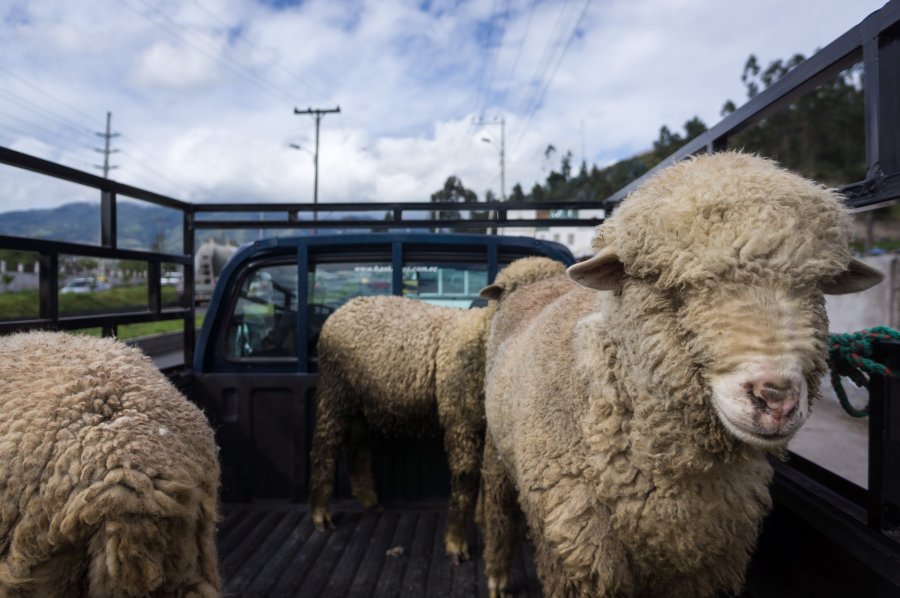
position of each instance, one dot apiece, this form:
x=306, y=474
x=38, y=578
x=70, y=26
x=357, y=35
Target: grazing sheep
x=407, y=368
x=108, y=476
x=632, y=424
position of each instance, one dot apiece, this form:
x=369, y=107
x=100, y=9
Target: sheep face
x=728, y=257
x=751, y=352
x=760, y=351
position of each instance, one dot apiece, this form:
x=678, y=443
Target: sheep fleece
x=108, y=475
x=596, y=402
x=410, y=368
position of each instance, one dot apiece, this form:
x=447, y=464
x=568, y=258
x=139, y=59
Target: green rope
x=849, y=355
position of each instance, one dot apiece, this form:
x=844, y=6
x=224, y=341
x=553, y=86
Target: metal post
x=502, y=160
x=317, y=112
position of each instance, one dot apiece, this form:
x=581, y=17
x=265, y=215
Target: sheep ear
x=492, y=291
x=858, y=276
x=603, y=272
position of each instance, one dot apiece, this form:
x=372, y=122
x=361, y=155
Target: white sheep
x=631, y=419
x=407, y=369
x=108, y=475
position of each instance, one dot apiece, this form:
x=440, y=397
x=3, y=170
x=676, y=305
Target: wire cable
x=539, y=98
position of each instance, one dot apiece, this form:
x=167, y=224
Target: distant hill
x=144, y=227
x=138, y=226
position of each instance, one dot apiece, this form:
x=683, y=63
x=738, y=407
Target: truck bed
x=273, y=550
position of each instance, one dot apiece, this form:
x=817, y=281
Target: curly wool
x=408, y=368
x=728, y=214
x=108, y=475
x=598, y=405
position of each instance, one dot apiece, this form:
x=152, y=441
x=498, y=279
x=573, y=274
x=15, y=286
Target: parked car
x=84, y=285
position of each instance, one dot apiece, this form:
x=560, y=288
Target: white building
x=576, y=238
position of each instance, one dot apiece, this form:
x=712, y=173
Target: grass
x=131, y=331
x=25, y=304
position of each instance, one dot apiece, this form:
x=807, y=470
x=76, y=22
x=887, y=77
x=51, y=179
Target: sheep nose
x=777, y=399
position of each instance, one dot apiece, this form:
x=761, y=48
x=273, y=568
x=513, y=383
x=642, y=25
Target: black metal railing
x=49, y=252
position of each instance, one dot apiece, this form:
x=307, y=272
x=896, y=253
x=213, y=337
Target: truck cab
x=255, y=364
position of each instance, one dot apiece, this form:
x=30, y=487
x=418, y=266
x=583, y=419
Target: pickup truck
x=252, y=368
x=254, y=374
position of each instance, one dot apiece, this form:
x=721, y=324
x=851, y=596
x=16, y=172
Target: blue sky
x=203, y=91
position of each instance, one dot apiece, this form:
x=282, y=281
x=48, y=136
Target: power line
x=504, y=90
x=489, y=64
x=46, y=93
x=32, y=106
x=176, y=186
x=240, y=71
x=265, y=49
x=42, y=132
x=543, y=90
x=540, y=70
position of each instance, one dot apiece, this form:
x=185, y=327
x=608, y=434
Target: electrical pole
x=318, y=113
x=502, y=148
x=106, y=151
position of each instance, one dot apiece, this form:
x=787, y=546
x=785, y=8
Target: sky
x=202, y=92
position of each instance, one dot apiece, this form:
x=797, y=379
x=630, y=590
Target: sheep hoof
x=497, y=586
x=457, y=551
x=458, y=558
x=322, y=520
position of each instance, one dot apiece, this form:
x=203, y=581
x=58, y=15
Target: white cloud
x=203, y=90
x=177, y=66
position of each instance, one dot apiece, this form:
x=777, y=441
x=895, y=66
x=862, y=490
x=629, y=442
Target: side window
x=333, y=284
x=264, y=320
x=442, y=283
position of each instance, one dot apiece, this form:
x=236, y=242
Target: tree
x=821, y=134
x=670, y=142
x=549, y=151
x=517, y=194
x=453, y=191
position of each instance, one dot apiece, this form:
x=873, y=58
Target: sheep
x=629, y=415
x=407, y=368
x=108, y=475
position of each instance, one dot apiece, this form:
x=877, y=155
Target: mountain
x=138, y=226
x=145, y=227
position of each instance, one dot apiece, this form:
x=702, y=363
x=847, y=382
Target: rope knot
x=850, y=355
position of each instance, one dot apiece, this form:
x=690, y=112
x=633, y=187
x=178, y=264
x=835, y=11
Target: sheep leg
x=464, y=447
x=500, y=526
x=331, y=429
x=359, y=464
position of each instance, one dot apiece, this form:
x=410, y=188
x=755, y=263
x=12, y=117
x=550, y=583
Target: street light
x=502, y=166
x=302, y=149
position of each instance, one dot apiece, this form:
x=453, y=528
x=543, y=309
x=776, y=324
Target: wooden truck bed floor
x=273, y=550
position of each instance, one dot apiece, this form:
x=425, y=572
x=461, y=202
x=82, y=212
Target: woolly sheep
x=407, y=368
x=108, y=475
x=632, y=424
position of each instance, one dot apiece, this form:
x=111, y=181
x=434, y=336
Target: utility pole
x=318, y=113
x=106, y=151
x=502, y=149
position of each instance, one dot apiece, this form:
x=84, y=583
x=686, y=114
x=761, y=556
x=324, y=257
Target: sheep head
x=727, y=256
x=521, y=272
